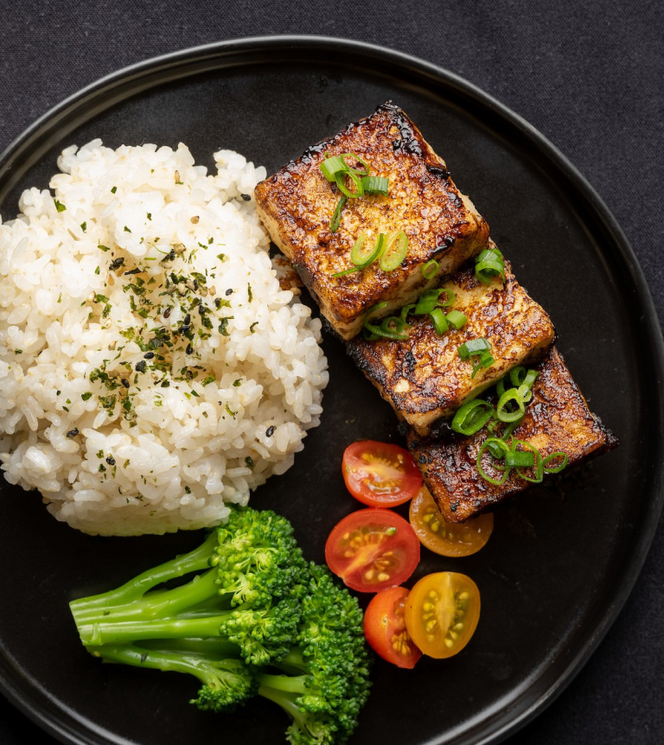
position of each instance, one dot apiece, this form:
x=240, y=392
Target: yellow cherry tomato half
x=441, y=537
x=442, y=612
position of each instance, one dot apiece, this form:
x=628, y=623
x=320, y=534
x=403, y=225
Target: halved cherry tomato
x=442, y=612
x=372, y=549
x=380, y=474
x=441, y=537
x=385, y=628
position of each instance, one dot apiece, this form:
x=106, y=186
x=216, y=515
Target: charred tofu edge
x=344, y=301
x=415, y=398
x=444, y=460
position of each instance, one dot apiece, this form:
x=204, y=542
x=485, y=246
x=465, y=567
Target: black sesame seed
x=189, y=349
x=110, y=460
x=140, y=366
x=125, y=382
x=165, y=384
x=246, y=197
x=117, y=263
x=269, y=431
x=187, y=319
x=148, y=355
x=167, y=312
x=72, y=432
x=229, y=291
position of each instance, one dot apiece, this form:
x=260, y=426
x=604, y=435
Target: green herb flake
x=126, y=229
x=103, y=248
x=114, y=189
x=208, y=380
x=84, y=226
x=237, y=382
x=253, y=326
x=86, y=396
x=232, y=413
x=59, y=206
x=97, y=270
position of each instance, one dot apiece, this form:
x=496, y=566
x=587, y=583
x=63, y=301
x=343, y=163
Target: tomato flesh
x=385, y=628
x=442, y=612
x=372, y=549
x=380, y=474
x=441, y=537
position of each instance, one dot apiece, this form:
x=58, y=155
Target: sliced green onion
x=339, y=181
x=331, y=166
x=500, y=387
x=539, y=474
x=389, y=329
x=394, y=253
x=489, y=264
x=336, y=217
x=555, y=456
x=439, y=321
x=430, y=269
x=457, y=319
x=520, y=459
x=474, y=346
x=376, y=185
x=405, y=311
x=357, y=171
x=430, y=299
x=472, y=416
x=485, y=445
x=518, y=375
x=502, y=413
x=363, y=258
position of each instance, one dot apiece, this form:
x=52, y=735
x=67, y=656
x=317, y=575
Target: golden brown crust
x=557, y=419
x=297, y=203
x=424, y=379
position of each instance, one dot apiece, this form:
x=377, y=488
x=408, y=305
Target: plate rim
x=73, y=731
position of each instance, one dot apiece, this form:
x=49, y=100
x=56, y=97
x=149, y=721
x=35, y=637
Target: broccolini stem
x=212, y=648
x=282, y=699
x=95, y=634
x=194, y=561
x=284, y=683
x=160, y=604
x=153, y=659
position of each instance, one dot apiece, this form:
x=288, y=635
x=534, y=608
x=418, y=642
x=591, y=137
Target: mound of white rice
x=151, y=368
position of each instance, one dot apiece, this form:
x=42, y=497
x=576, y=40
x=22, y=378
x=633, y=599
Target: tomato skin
x=441, y=537
x=380, y=474
x=372, y=549
x=385, y=628
x=442, y=611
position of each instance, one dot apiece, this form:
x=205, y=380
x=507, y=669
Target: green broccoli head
x=331, y=662
x=226, y=684
x=258, y=558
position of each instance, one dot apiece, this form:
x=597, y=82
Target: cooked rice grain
x=143, y=402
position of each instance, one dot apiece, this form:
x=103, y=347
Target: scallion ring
x=485, y=445
x=552, y=457
x=405, y=311
x=512, y=394
x=430, y=269
x=357, y=171
x=489, y=264
x=439, y=321
x=394, y=252
x=332, y=166
x=537, y=463
x=361, y=256
x=456, y=319
x=376, y=185
x=339, y=181
x=472, y=416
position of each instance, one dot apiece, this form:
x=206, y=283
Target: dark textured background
x=588, y=75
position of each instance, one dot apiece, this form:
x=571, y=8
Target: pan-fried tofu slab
x=557, y=420
x=423, y=377
x=297, y=204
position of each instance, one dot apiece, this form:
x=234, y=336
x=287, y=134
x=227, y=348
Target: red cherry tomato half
x=372, y=549
x=379, y=474
x=385, y=628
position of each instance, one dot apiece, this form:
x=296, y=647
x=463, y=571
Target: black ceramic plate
x=563, y=557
